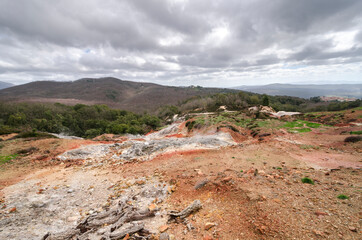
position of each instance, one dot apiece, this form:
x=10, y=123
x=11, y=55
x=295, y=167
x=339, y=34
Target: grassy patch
x=356, y=132
x=307, y=180
x=293, y=124
x=313, y=125
x=7, y=158
x=342, y=196
x=299, y=130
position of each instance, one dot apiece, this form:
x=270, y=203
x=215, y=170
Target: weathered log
x=66, y=235
x=193, y=207
x=108, y=218
x=132, y=216
x=129, y=230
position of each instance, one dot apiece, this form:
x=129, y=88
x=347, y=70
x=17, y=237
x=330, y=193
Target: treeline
x=79, y=120
x=243, y=100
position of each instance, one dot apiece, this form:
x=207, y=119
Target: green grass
x=7, y=158
x=299, y=130
x=342, y=196
x=293, y=124
x=356, y=132
x=307, y=180
x=313, y=125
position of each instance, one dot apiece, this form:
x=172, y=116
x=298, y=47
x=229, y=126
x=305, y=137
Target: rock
x=152, y=207
x=163, y=228
x=318, y=233
x=140, y=182
x=318, y=213
x=201, y=183
x=164, y=236
x=70, y=190
x=353, y=229
x=209, y=225
x=12, y=210
x=171, y=189
x=227, y=179
x=172, y=237
x=199, y=172
x=37, y=204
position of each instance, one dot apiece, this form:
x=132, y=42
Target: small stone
x=209, y=225
x=172, y=237
x=163, y=228
x=70, y=190
x=171, y=189
x=318, y=233
x=40, y=191
x=353, y=229
x=201, y=183
x=152, y=207
x=199, y=172
x=12, y=210
x=318, y=213
x=140, y=182
x=226, y=179
x=277, y=200
x=164, y=236
x=37, y=204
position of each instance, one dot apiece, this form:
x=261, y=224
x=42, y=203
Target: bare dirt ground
x=249, y=187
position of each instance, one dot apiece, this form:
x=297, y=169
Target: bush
x=91, y=133
x=342, y=196
x=307, y=180
x=190, y=125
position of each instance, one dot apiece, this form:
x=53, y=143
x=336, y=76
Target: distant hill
x=307, y=91
x=5, y=85
x=132, y=96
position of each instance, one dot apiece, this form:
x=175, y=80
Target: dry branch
x=193, y=207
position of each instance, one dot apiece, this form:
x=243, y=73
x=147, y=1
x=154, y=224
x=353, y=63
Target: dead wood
x=132, y=216
x=66, y=235
x=193, y=207
x=128, y=230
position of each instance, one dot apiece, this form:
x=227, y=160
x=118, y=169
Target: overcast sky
x=220, y=43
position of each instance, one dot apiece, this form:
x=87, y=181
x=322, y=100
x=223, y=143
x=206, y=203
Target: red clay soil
x=177, y=135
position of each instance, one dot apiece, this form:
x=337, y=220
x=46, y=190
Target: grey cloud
x=67, y=39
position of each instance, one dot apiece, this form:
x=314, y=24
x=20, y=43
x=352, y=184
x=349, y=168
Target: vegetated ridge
x=133, y=96
x=307, y=91
x=5, y=85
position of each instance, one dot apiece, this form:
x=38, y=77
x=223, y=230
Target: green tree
x=265, y=100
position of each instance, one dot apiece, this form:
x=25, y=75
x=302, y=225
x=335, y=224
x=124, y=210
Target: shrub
x=307, y=180
x=91, y=133
x=356, y=132
x=342, y=196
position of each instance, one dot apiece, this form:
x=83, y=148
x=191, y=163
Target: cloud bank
x=180, y=42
